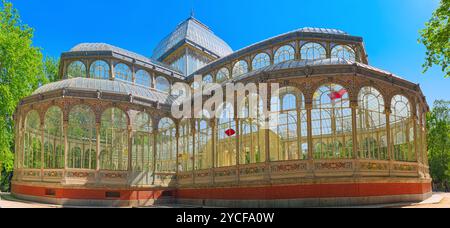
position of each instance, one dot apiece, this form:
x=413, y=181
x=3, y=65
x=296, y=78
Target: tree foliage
x=436, y=38
x=21, y=72
x=438, y=123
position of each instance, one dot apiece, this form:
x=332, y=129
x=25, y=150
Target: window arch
x=143, y=78
x=371, y=125
x=122, y=72
x=186, y=146
x=32, y=141
x=261, y=60
x=142, y=156
x=167, y=151
x=284, y=53
x=251, y=132
x=313, y=51
x=343, y=52
x=240, y=68
x=99, y=70
x=76, y=69
x=82, y=138
x=162, y=84
x=332, y=122
x=226, y=137
x=208, y=79
x=114, y=140
x=288, y=125
x=222, y=75
x=402, y=129
x=53, y=139
x=203, y=144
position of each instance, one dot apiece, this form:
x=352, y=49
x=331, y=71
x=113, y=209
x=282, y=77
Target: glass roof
x=107, y=47
x=196, y=32
x=89, y=84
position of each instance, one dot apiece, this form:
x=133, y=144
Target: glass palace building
x=348, y=133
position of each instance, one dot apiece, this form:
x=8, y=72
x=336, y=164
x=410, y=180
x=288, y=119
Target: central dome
x=196, y=33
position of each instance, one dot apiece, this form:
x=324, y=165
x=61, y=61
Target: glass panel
x=99, y=70
x=76, y=69
x=222, y=75
x=401, y=124
x=162, y=84
x=114, y=140
x=284, y=53
x=203, y=147
x=240, y=68
x=343, y=52
x=143, y=78
x=123, y=73
x=143, y=142
x=32, y=141
x=166, y=150
x=53, y=139
x=288, y=126
x=251, y=133
x=186, y=147
x=82, y=138
x=313, y=51
x=371, y=123
x=226, y=137
x=261, y=60
x=332, y=123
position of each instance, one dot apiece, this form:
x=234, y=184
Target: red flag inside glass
x=230, y=132
x=337, y=95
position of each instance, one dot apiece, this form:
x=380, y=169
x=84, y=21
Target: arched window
x=53, y=139
x=261, y=60
x=123, y=73
x=203, y=144
x=32, y=141
x=222, y=75
x=186, y=147
x=76, y=69
x=240, y=68
x=226, y=137
x=251, y=132
x=99, y=70
x=143, y=141
x=162, y=84
x=313, y=51
x=288, y=126
x=167, y=146
x=371, y=123
x=82, y=138
x=402, y=129
x=207, y=81
x=284, y=53
x=143, y=78
x=332, y=123
x=343, y=52
x=114, y=140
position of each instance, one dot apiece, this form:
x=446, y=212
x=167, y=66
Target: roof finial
x=192, y=13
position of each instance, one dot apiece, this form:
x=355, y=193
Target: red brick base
x=307, y=191
x=235, y=193
x=90, y=194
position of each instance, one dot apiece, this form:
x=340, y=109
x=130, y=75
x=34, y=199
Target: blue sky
x=389, y=27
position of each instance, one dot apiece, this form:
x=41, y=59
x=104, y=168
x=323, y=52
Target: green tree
x=435, y=37
x=21, y=72
x=51, y=69
x=438, y=124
